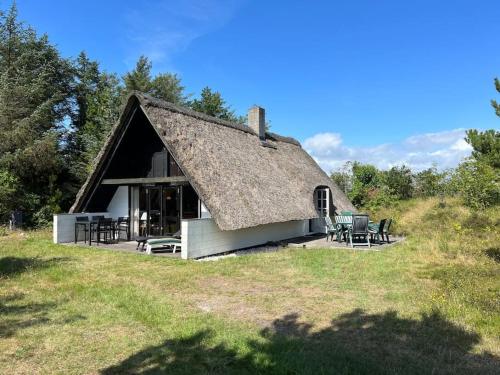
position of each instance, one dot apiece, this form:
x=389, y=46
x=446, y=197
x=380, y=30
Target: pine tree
x=103, y=107
x=139, y=79
x=494, y=103
x=212, y=103
x=485, y=146
x=97, y=102
x=165, y=86
x=35, y=87
x=87, y=77
x=168, y=87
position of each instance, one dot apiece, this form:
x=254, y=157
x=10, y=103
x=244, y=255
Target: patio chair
x=122, y=225
x=376, y=230
x=105, y=227
x=358, y=229
x=342, y=223
x=331, y=229
x=93, y=226
x=81, y=224
x=386, y=230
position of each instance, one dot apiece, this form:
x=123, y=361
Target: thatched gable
x=242, y=183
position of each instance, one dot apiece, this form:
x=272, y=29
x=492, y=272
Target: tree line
x=56, y=112
x=476, y=180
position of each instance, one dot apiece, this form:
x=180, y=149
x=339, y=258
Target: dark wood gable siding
x=164, y=165
x=140, y=154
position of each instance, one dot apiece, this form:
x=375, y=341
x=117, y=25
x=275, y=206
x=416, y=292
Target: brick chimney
x=257, y=121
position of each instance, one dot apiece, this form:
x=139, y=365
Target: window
x=173, y=168
x=189, y=203
x=164, y=165
x=159, y=164
x=322, y=201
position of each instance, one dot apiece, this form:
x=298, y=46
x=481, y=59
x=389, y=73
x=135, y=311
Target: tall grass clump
x=460, y=247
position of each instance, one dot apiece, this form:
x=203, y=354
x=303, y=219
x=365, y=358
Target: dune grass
x=427, y=305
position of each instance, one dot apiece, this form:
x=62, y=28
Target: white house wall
x=318, y=225
x=204, y=213
x=202, y=237
x=134, y=210
x=64, y=226
x=118, y=206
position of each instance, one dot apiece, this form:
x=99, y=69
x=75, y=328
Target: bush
x=378, y=198
x=365, y=174
x=399, y=181
x=430, y=183
x=43, y=217
x=477, y=183
x=8, y=184
x=365, y=183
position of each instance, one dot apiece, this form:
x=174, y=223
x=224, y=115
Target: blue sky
x=386, y=82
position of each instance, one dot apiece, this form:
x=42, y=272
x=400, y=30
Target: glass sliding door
x=155, y=212
x=159, y=208
x=189, y=203
x=143, y=211
x=171, y=210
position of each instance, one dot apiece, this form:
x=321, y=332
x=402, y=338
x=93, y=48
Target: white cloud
x=461, y=145
x=324, y=143
x=446, y=149
x=164, y=28
x=444, y=137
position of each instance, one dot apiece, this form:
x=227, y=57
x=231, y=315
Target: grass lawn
x=428, y=305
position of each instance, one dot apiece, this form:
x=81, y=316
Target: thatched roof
x=241, y=181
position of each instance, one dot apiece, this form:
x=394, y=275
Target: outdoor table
x=91, y=224
x=371, y=226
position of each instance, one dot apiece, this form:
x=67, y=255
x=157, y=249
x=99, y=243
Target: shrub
x=399, y=181
x=378, y=198
x=365, y=183
x=43, y=217
x=430, y=183
x=8, y=184
x=477, y=183
x=366, y=174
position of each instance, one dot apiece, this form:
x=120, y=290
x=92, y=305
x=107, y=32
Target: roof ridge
x=148, y=100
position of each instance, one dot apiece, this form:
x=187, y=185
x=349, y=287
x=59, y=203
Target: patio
x=314, y=241
x=127, y=247
x=319, y=241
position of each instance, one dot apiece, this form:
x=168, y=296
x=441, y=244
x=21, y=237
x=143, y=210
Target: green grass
x=427, y=305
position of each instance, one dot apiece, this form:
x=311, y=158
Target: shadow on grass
x=16, y=314
x=13, y=266
x=356, y=342
x=493, y=253
x=11, y=314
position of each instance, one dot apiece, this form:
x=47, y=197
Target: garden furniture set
x=350, y=227
x=101, y=229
